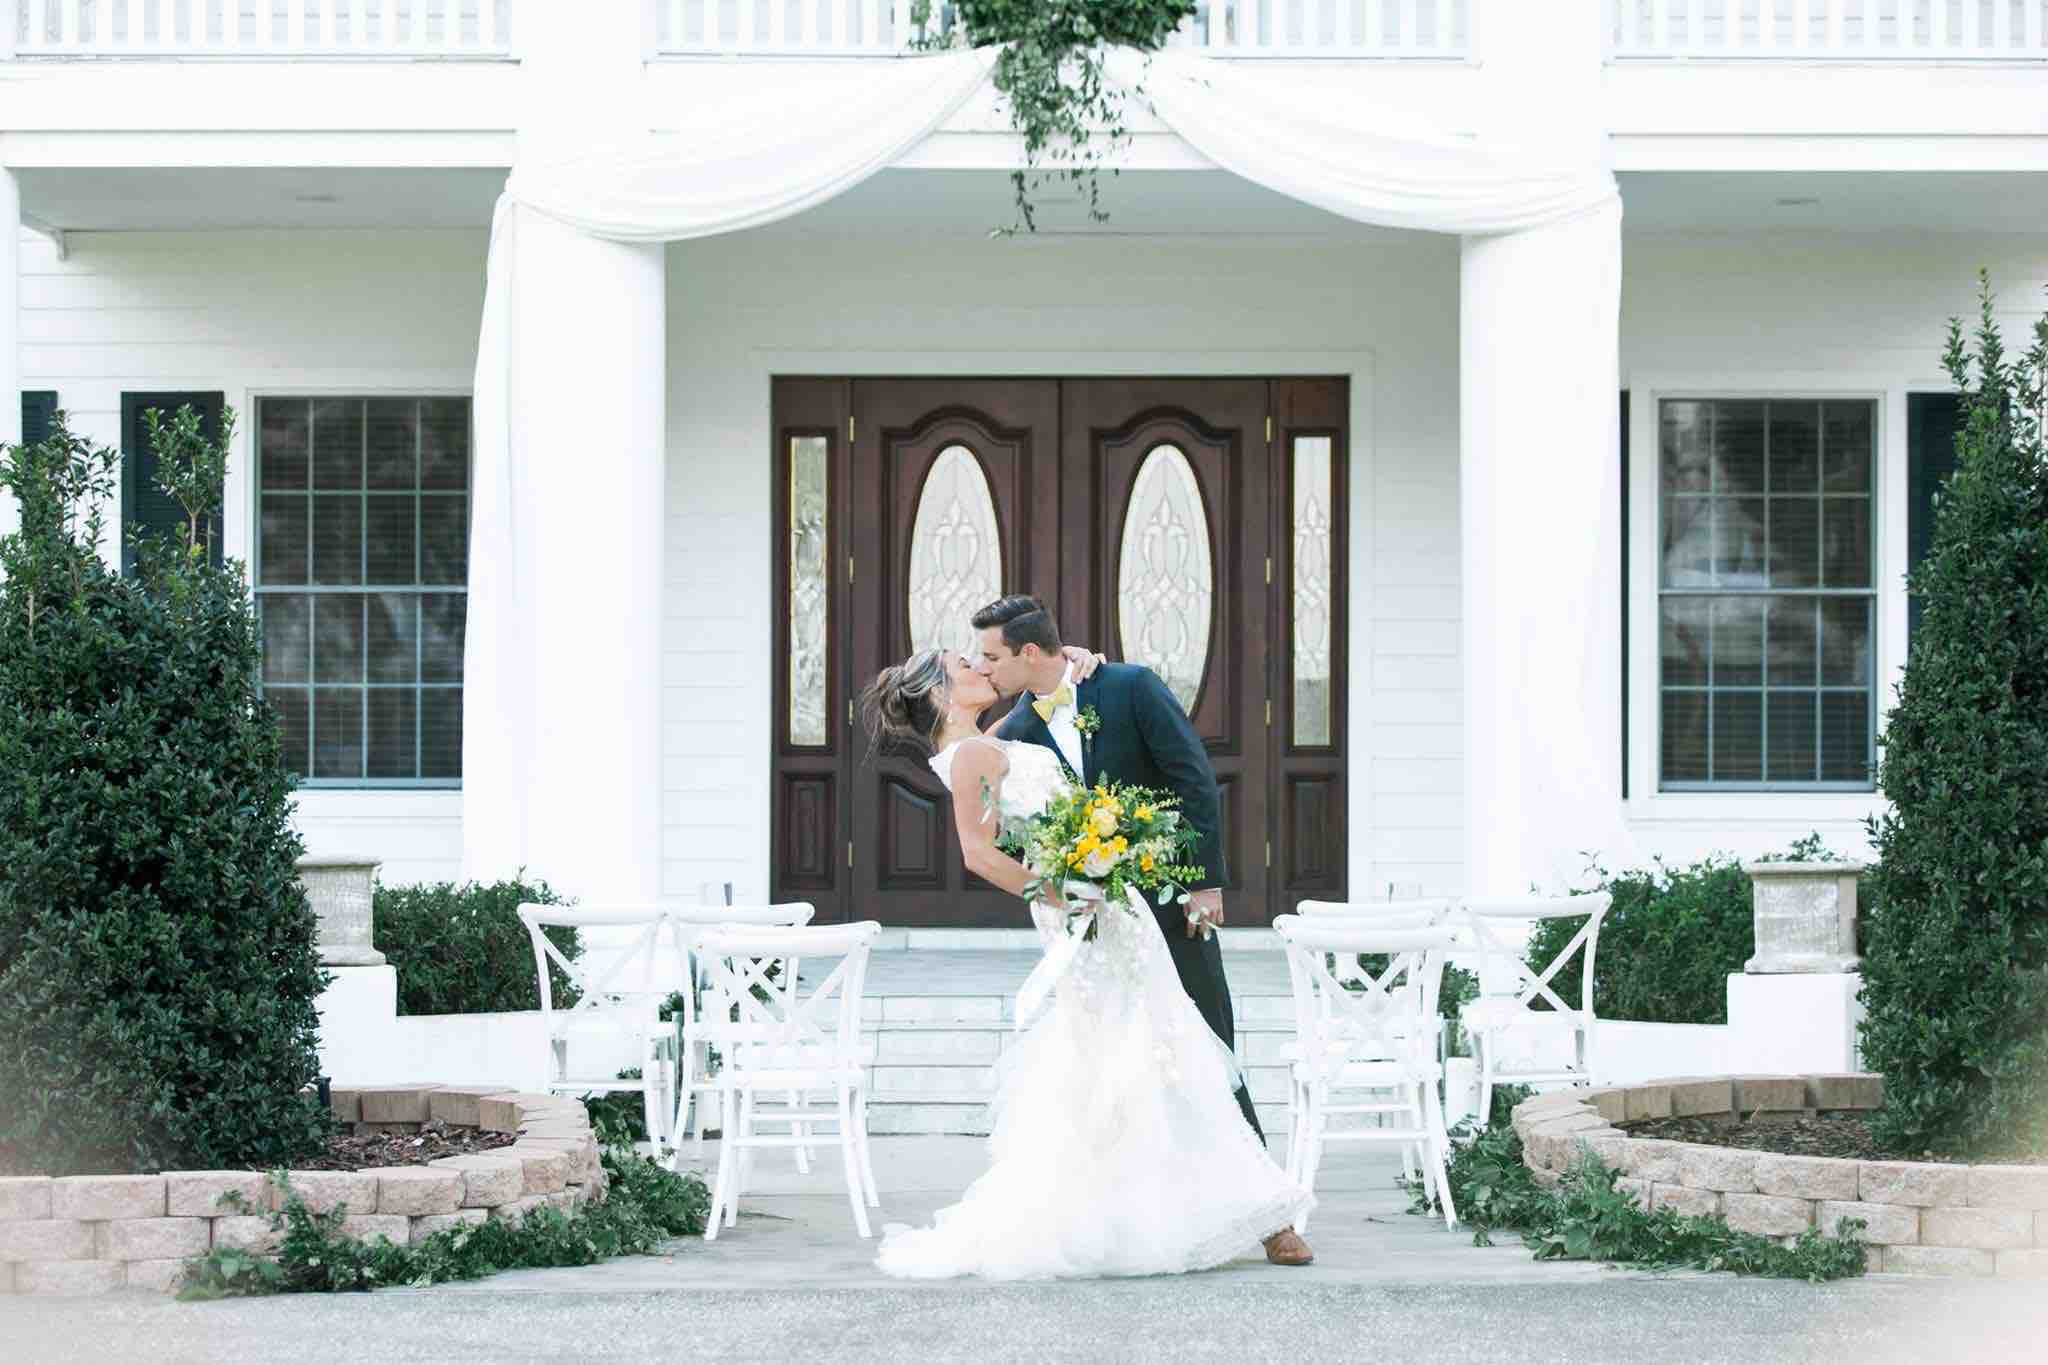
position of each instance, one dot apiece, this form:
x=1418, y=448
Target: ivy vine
x=1050, y=75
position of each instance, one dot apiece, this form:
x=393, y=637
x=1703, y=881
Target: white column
x=1539, y=475
x=10, y=330
x=562, y=733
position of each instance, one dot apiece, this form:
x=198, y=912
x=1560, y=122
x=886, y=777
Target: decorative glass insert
x=809, y=596
x=362, y=572
x=1766, y=602
x=1311, y=597
x=1165, y=581
x=956, y=555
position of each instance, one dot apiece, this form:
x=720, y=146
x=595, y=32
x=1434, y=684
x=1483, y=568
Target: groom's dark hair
x=1025, y=621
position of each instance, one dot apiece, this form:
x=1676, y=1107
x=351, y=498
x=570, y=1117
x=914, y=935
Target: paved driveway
x=792, y=1281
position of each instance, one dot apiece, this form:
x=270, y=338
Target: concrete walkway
x=792, y=1281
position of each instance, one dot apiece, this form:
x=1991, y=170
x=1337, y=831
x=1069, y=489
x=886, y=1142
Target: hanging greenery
x=1050, y=76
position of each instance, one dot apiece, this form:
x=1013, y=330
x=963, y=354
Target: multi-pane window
x=362, y=567
x=1766, y=602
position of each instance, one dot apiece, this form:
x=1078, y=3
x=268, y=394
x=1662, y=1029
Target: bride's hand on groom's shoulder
x=1085, y=661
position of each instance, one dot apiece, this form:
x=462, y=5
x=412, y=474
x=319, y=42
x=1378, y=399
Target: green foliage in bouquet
x=1112, y=839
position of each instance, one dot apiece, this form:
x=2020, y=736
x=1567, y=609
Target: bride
x=1118, y=1148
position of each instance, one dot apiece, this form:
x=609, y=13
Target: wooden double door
x=1193, y=525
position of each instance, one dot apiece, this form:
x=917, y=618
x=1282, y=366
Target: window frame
x=1648, y=803
x=252, y=502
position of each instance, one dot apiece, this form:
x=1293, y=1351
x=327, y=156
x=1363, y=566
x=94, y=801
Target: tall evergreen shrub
x=157, y=962
x=1955, y=942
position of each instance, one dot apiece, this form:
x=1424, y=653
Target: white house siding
x=272, y=311
x=257, y=312
x=1790, y=313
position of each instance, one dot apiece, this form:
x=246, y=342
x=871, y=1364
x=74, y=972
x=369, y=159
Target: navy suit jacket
x=1145, y=738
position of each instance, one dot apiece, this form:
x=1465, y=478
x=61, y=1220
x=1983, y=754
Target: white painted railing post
x=10, y=323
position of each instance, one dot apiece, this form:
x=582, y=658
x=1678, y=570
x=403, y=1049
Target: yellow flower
x=1118, y=845
x=1145, y=861
x=1142, y=813
x=1103, y=821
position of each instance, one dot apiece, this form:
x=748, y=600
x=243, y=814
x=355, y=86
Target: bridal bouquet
x=1104, y=842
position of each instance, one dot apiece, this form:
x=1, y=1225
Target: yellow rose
x=1103, y=822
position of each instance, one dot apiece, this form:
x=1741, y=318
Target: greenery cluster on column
x=1955, y=942
x=1050, y=76
x=157, y=961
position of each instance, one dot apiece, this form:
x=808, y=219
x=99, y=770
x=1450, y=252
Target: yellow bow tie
x=1046, y=706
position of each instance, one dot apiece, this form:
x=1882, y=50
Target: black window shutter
x=1932, y=420
x=38, y=409
x=1624, y=594
x=144, y=504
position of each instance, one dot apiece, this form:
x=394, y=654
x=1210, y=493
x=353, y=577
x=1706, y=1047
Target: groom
x=1140, y=736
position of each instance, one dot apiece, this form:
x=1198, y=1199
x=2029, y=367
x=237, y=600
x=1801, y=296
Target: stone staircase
x=934, y=1053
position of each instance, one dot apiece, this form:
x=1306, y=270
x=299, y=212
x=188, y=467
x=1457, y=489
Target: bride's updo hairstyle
x=906, y=703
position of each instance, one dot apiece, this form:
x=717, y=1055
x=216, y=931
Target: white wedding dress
x=1118, y=1147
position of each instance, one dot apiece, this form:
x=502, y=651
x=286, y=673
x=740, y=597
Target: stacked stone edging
x=92, y=1234
x=1921, y=1217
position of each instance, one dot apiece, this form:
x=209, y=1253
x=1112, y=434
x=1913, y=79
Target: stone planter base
x=1921, y=1218
x=94, y=1234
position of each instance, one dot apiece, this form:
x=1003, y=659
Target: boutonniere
x=1087, y=720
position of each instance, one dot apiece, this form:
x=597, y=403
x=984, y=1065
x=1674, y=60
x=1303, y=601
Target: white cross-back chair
x=621, y=977
x=1505, y=1020
x=696, y=1088
x=778, y=1040
x=1368, y=1049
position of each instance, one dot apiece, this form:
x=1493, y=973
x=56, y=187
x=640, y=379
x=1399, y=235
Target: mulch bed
x=1845, y=1135
x=432, y=1142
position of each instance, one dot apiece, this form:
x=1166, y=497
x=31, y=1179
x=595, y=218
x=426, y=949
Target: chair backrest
x=1388, y=1013
x=1422, y=914
x=692, y=922
x=1486, y=917
x=755, y=1008
x=637, y=965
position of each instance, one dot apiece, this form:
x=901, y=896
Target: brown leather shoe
x=1286, y=1247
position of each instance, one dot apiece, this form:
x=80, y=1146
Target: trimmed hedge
x=1955, y=940
x=462, y=950
x=157, y=963
x=1670, y=941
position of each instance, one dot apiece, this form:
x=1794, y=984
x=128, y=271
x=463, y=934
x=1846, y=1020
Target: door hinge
x=1269, y=853
x=849, y=429
x=1269, y=571
x=849, y=710
x=849, y=569
x=1269, y=428
x=1269, y=713
x=849, y=853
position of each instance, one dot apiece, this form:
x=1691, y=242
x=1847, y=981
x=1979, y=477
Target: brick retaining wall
x=1922, y=1217
x=92, y=1234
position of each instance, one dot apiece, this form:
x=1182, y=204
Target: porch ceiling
x=929, y=202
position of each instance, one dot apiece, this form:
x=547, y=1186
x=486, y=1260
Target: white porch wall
x=277, y=311
x=258, y=312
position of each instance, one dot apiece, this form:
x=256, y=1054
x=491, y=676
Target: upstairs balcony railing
x=1828, y=30
x=1347, y=29
x=388, y=29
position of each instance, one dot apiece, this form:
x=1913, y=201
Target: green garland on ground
x=1050, y=76
x=1587, y=1219
x=647, y=1206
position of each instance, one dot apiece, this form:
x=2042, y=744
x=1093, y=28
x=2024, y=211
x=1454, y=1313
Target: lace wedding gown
x=1118, y=1147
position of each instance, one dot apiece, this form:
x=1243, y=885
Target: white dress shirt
x=1065, y=733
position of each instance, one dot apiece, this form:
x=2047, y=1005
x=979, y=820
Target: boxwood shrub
x=1670, y=941
x=157, y=962
x=462, y=950
x=1955, y=940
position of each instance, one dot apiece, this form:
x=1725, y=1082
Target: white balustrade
x=1828, y=30
x=263, y=28
x=1224, y=28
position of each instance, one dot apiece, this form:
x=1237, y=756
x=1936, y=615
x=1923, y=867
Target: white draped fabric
x=751, y=162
